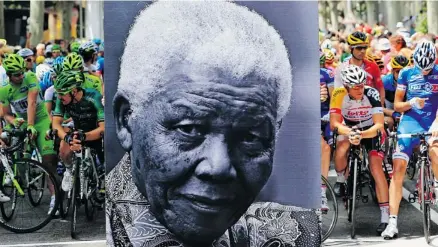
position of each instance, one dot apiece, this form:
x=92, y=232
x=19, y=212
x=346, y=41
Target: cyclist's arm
x=48, y=105
x=6, y=114
x=56, y=125
x=31, y=106
x=95, y=134
x=399, y=104
x=388, y=112
x=336, y=122
x=378, y=120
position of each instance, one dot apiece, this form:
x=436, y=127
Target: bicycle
x=328, y=223
x=86, y=186
x=21, y=174
x=332, y=214
x=359, y=175
x=425, y=188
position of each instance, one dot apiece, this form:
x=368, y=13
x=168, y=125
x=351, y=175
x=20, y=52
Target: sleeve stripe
x=336, y=110
x=376, y=110
x=401, y=87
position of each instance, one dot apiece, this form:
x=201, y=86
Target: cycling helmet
x=329, y=56
x=353, y=75
x=87, y=48
x=58, y=64
x=13, y=63
x=74, y=47
x=73, y=61
x=321, y=57
x=97, y=41
x=378, y=60
x=399, y=62
x=56, y=48
x=48, y=61
x=101, y=47
x=425, y=55
x=358, y=38
x=42, y=69
x=46, y=81
x=25, y=52
x=40, y=59
x=68, y=80
x=327, y=44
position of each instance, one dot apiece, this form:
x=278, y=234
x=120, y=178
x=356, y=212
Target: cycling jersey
x=100, y=63
x=326, y=78
x=3, y=77
x=50, y=95
x=86, y=113
x=390, y=86
x=415, y=84
x=92, y=81
x=356, y=112
x=16, y=96
x=373, y=74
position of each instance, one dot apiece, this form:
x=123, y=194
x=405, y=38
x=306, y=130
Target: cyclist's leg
x=342, y=147
x=433, y=155
x=375, y=158
x=325, y=150
x=400, y=161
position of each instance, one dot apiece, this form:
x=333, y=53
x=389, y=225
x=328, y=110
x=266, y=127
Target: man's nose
x=216, y=163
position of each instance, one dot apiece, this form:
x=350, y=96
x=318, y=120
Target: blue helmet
x=46, y=81
x=97, y=41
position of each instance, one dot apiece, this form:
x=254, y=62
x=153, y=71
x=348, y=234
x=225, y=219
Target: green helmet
x=74, y=47
x=73, y=61
x=68, y=80
x=56, y=47
x=13, y=63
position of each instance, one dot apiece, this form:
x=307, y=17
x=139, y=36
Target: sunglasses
x=62, y=93
x=56, y=51
x=29, y=59
x=360, y=86
x=17, y=74
x=360, y=47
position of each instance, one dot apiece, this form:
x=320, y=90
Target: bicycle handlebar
x=413, y=135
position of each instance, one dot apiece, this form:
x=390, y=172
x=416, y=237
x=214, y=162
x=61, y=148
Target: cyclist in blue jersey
x=390, y=85
x=420, y=86
x=326, y=82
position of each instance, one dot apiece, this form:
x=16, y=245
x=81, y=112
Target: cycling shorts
x=97, y=147
x=405, y=146
x=370, y=144
x=327, y=134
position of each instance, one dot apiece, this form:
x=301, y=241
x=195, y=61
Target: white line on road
x=60, y=243
x=433, y=213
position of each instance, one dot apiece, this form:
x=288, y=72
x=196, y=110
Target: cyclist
x=56, y=51
x=74, y=61
x=28, y=56
x=49, y=96
x=23, y=94
x=390, y=83
x=74, y=47
x=419, y=85
x=86, y=109
x=329, y=60
x=359, y=43
x=326, y=84
x=88, y=51
x=360, y=108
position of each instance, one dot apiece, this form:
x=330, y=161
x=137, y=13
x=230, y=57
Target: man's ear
x=122, y=115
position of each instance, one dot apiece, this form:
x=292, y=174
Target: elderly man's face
x=205, y=149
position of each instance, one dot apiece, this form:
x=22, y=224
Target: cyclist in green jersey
x=23, y=94
x=74, y=61
x=86, y=109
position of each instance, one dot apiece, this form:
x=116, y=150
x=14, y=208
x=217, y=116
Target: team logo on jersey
x=23, y=89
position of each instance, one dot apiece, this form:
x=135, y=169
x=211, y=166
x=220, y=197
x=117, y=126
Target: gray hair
x=205, y=34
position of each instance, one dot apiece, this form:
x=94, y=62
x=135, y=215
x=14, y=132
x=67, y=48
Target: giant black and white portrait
x=202, y=92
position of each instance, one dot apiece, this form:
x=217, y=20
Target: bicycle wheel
x=425, y=199
x=28, y=217
x=64, y=204
x=352, y=200
x=37, y=184
x=329, y=218
x=75, y=200
x=8, y=208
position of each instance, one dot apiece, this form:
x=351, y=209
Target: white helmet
x=41, y=69
x=49, y=61
x=25, y=52
x=425, y=55
x=353, y=75
x=327, y=44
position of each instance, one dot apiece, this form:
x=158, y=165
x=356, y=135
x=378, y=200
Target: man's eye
x=250, y=138
x=190, y=129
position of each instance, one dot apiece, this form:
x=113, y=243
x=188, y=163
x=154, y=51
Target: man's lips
x=208, y=204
